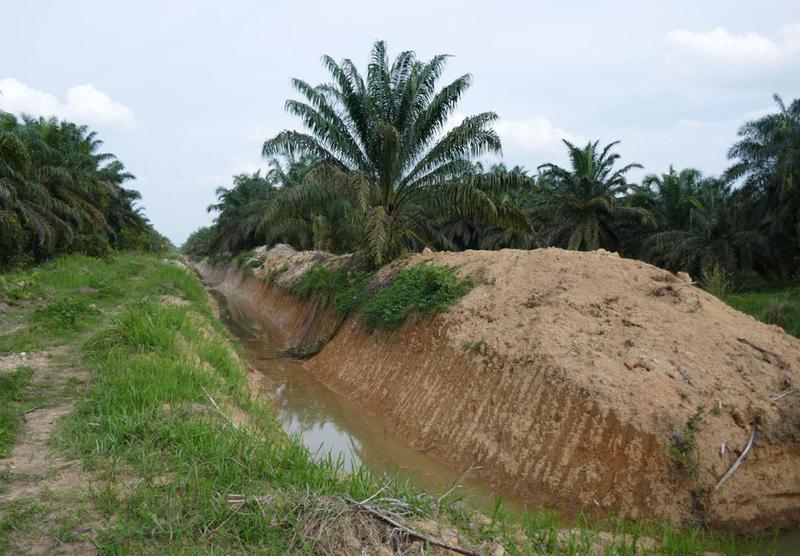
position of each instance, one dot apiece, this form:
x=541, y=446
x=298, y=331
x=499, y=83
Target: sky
x=185, y=93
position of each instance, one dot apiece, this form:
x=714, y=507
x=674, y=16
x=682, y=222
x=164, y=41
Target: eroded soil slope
x=579, y=381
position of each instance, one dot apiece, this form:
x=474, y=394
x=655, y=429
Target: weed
x=314, y=281
x=247, y=260
x=683, y=449
x=275, y=272
x=18, y=286
x=776, y=312
x=345, y=289
x=63, y=314
x=422, y=290
x=242, y=258
x=715, y=280
x=12, y=404
x=475, y=346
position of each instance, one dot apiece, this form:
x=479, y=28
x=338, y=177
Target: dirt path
x=45, y=499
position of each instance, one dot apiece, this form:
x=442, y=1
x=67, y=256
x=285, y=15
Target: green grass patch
x=421, y=290
x=346, y=289
x=247, y=260
x=18, y=286
x=13, y=404
x=773, y=306
x=156, y=369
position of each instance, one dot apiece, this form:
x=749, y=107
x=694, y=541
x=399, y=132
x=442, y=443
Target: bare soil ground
x=44, y=497
x=654, y=349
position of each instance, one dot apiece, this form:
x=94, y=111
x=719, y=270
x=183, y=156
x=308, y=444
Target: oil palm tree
x=581, y=204
x=240, y=208
x=767, y=160
x=386, y=150
x=714, y=235
x=668, y=197
x=58, y=192
x=290, y=170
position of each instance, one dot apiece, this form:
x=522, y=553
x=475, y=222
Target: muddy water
x=329, y=425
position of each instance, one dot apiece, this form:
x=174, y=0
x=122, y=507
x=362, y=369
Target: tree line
x=379, y=170
x=60, y=194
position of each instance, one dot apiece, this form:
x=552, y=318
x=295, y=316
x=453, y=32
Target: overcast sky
x=186, y=92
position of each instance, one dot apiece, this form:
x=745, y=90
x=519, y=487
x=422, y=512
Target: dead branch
x=430, y=447
x=766, y=355
x=376, y=513
x=218, y=410
x=739, y=461
x=683, y=372
x=778, y=397
x=31, y=410
x=457, y=484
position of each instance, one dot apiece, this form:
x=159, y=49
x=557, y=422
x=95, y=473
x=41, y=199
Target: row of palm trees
x=379, y=170
x=59, y=193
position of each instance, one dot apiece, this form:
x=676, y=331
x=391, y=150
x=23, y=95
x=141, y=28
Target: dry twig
x=739, y=461
x=218, y=410
x=399, y=527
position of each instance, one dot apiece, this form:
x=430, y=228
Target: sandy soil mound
x=655, y=350
x=584, y=382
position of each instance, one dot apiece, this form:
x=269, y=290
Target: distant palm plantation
x=380, y=167
x=59, y=193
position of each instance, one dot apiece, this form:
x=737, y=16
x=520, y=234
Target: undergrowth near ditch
x=345, y=289
x=422, y=290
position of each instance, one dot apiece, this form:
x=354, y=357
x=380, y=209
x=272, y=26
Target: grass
x=780, y=306
x=17, y=286
x=163, y=460
x=422, y=290
x=344, y=288
x=13, y=404
x=274, y=273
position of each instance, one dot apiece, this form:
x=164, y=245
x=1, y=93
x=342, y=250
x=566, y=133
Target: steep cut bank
x=578, y=381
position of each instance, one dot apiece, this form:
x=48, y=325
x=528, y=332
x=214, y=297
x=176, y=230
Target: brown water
x=329, y=425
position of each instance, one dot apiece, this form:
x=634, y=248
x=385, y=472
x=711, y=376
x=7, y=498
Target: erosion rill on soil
x=583, y=382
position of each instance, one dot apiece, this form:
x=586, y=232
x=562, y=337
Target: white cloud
x=533, y=135
x=528, y=139
x=84, y=104
x=720, y=51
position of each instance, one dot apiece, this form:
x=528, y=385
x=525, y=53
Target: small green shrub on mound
x=345, y=289
x=423, y=290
